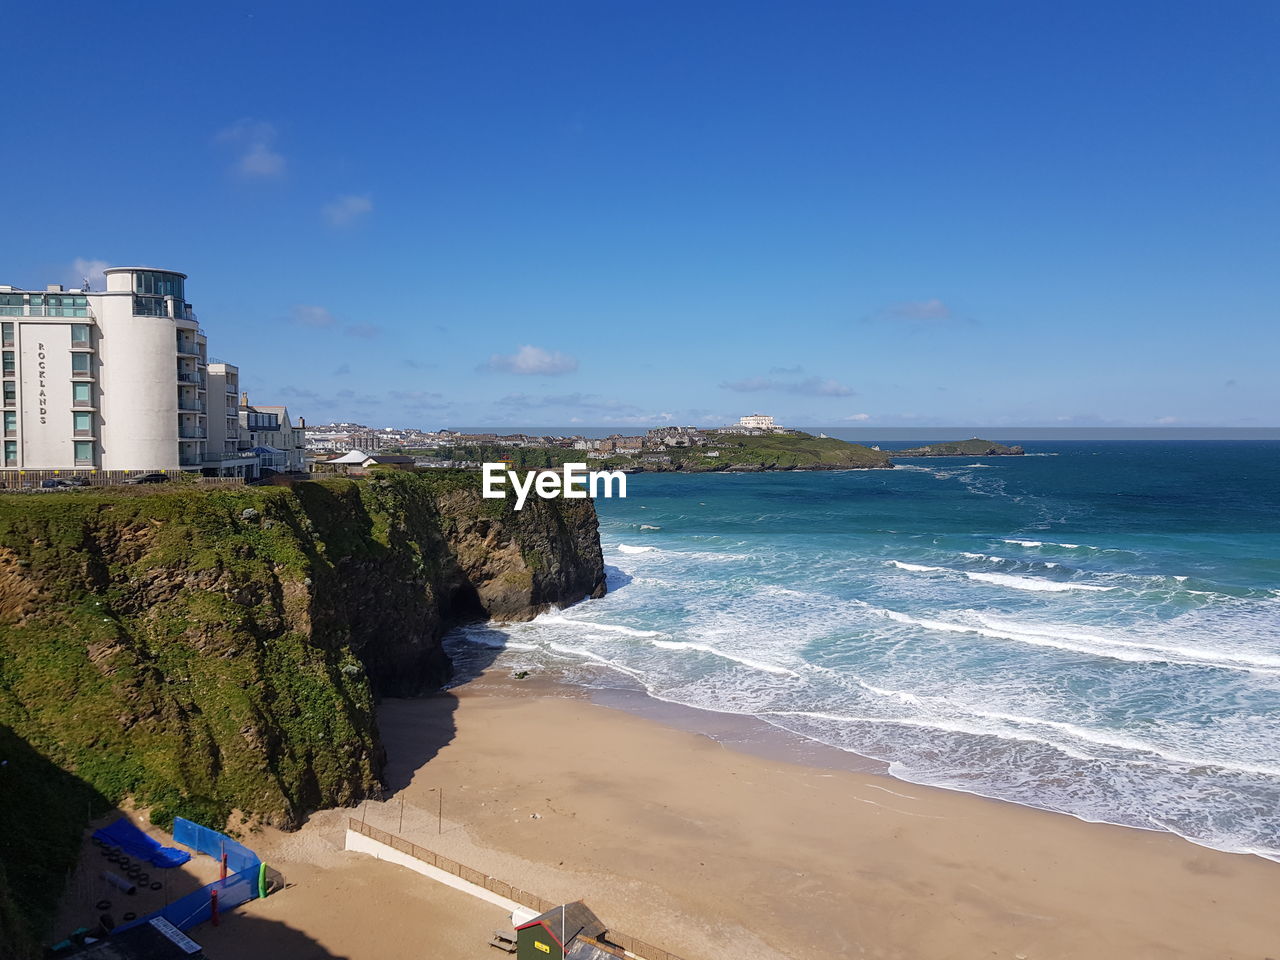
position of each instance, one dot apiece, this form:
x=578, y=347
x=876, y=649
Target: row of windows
x=80, y=364
x=79, y=334
x=81, y=423
x=83, y=453
x=81, y=394
x=154, y=283
x=262, y=421
x=43, y=305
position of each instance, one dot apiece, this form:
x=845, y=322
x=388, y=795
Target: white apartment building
x=758, y=421
x=111, y=380
x=118, y=380
x=225, y=449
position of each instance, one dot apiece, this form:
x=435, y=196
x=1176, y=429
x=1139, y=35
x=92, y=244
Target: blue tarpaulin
x=131, y=840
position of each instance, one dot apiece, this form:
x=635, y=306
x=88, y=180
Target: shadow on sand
x=416, y=736
x=243, y=936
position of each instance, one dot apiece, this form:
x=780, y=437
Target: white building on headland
x=758, y=421
x=114, y=380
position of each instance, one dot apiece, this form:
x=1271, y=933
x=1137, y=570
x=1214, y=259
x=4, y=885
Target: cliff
x=215, y=651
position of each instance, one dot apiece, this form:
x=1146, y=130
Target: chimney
x=244, y=399
x=302, y=422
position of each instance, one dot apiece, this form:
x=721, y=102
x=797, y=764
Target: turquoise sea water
x=1092, y=629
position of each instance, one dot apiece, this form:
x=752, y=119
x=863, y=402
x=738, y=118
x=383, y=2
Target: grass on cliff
x=796, y=450
x=774, y=451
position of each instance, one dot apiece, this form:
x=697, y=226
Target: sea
x=1092, y=628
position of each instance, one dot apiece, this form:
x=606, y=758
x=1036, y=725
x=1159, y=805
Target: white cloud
x=311, y=316
x=809, y=387
x=365, y=331
x=91, y=270
x=343, y=210
x=532, y=361
x=933, y=309
x=857, y=417
x=255, y=139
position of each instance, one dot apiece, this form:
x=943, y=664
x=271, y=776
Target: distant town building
x=272, y=436
x=358, y=461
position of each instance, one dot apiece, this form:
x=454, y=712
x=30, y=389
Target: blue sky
x=630, y=213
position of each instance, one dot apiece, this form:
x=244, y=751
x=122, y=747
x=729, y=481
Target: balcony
x=191, y=377
x=190, y=406
x=190, y=461
x=191, y=433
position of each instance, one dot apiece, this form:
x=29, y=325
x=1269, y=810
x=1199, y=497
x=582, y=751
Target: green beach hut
x=569, y=932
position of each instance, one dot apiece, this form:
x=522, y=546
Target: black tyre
x=102, y=905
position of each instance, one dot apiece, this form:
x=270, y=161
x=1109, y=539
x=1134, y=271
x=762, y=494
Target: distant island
x=962, y=448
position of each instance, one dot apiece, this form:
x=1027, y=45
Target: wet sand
x=717, y=852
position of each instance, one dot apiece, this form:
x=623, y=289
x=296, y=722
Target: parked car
x=62, y=483
x=149, y=478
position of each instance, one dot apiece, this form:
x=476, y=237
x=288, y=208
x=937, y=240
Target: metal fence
x=13, y=479
x=631, y=945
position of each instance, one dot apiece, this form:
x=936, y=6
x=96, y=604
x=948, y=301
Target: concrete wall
x=362, y=844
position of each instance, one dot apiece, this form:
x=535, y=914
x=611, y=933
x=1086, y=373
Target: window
x=8, y=363
x=79, y=334
x=154, y=283
x=10, y=423
x=11, y=453
x=10, y=392
x=80, y=364
x=10, y=306
x=149, y=307
x=83, y=422
x=80, y=394
x=84, y=451
x=8, y=333
x=66, y=306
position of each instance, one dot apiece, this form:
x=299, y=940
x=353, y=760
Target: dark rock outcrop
x=962, y=448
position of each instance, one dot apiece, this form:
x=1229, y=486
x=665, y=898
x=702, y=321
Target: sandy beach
x=712, y=852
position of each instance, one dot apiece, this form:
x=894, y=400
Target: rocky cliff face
x=206, y=651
